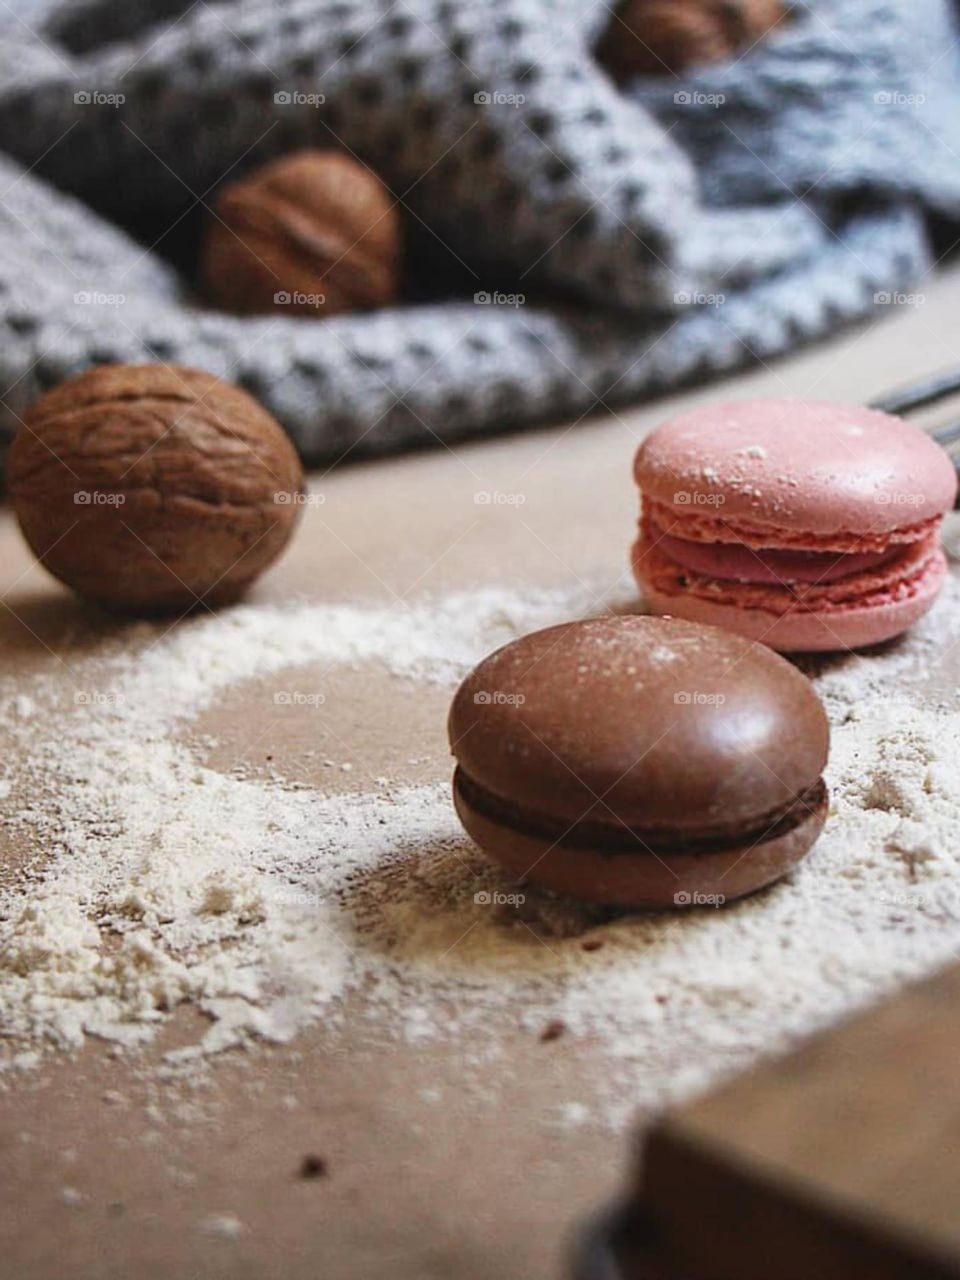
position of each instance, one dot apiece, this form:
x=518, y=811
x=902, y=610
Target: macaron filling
x=741, y=563
x=896, y=578
x=706, y=526
x=619, y=838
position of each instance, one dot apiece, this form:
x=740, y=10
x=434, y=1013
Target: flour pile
x=158, y=880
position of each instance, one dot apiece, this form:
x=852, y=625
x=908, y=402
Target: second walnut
x=657, y=37
x=314, y=232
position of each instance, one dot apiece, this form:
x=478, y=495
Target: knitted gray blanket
x=573, y=245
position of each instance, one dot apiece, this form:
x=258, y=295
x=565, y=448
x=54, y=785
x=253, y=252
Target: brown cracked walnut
x=153, y=489
x=656, y=37
x=314, y=233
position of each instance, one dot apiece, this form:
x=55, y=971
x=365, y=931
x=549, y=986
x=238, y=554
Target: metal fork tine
x=926, y=391
x=947, y=436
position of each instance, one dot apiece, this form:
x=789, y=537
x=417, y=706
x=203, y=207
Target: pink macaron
x=805, y=524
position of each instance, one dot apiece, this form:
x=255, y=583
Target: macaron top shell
x=653, y=723
x=814, y=466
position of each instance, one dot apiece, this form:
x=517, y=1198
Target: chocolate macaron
x=640, y=761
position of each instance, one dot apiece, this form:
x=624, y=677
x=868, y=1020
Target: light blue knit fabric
x=655, y=232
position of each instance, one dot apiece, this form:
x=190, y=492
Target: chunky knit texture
x=617, y=239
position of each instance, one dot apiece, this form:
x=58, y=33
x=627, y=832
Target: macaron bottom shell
x=870, y=615
x=642, y=877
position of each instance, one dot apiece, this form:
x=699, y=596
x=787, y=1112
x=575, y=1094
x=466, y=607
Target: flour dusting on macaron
x=805, y=524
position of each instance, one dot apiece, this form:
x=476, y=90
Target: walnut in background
x=659, y=36
x=314, y=232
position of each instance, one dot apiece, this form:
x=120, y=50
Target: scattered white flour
x=157, y=880
x=227, y=1226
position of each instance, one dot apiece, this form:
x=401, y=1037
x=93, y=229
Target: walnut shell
x=659, y=36
x=151, y=488
x=314, y=232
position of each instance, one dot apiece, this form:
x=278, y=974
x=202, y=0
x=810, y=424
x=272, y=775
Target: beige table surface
x=414, y=1190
